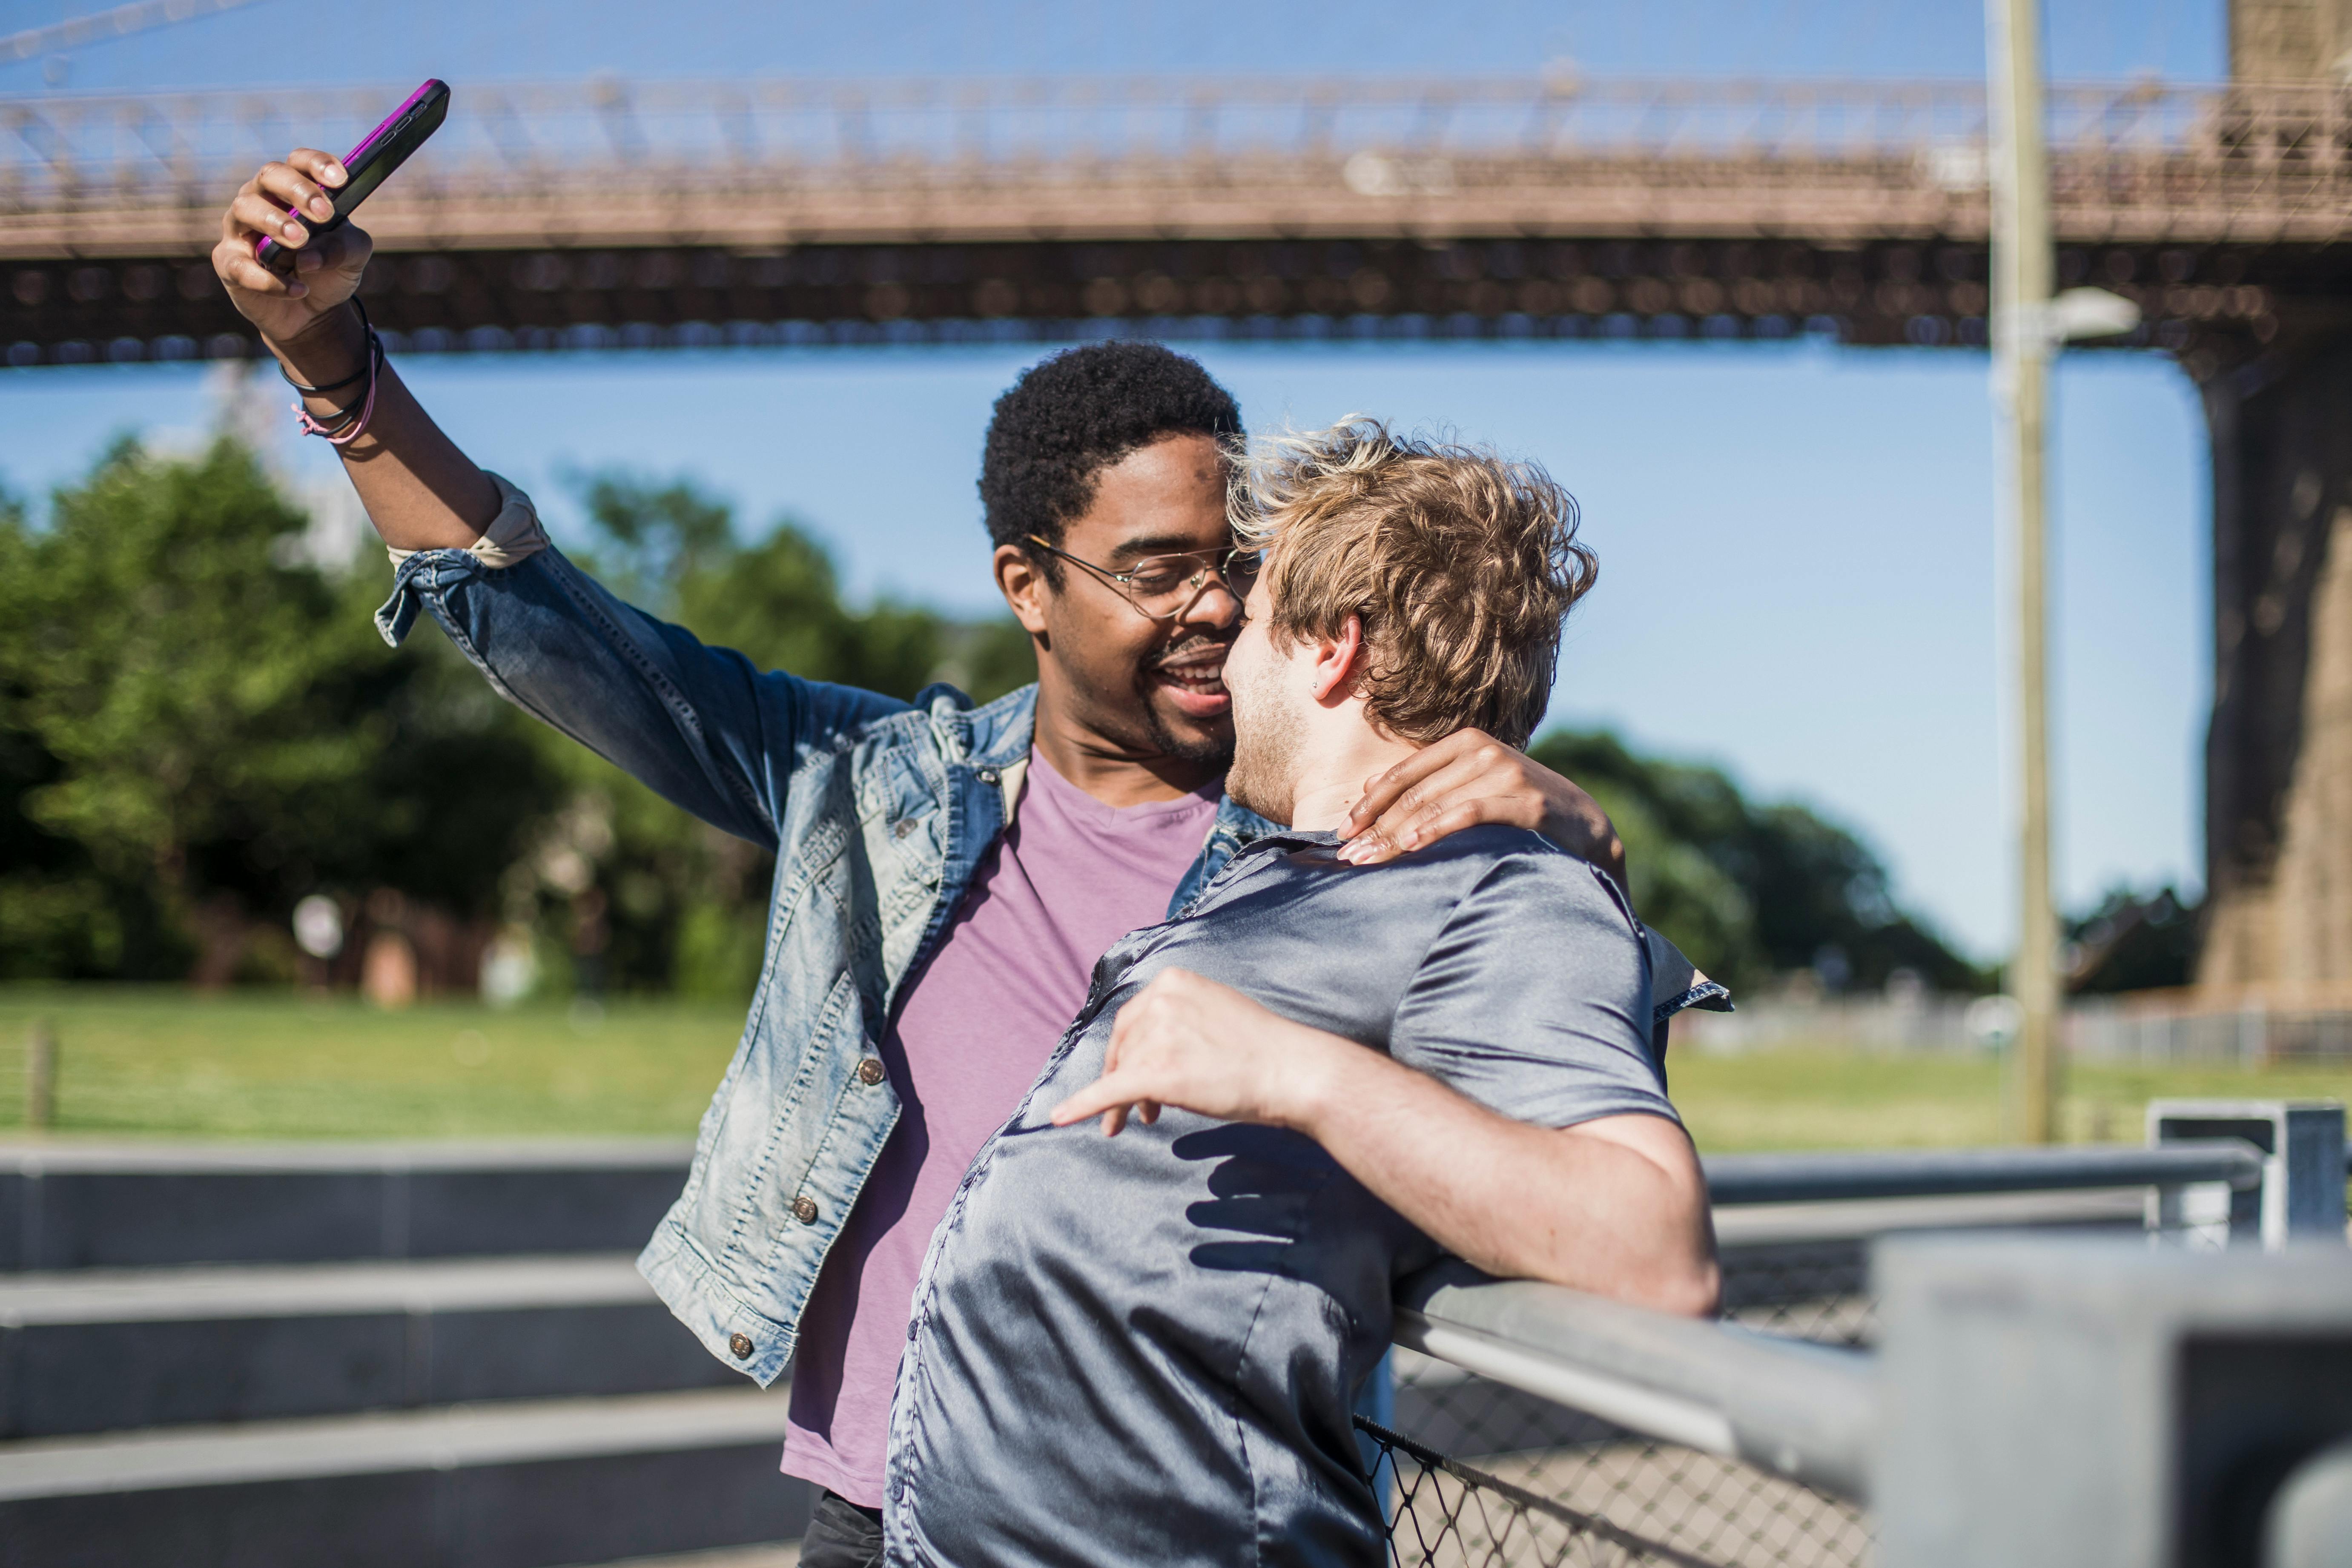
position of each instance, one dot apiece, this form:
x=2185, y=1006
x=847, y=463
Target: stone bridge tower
x=2278, y=757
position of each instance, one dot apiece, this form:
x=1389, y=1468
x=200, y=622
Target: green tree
x=59, y=915
x=2131, y=941
x=200, y=729
x=1751, y=890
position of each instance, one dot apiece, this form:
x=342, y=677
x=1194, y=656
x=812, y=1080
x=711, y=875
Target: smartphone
x=368, y=164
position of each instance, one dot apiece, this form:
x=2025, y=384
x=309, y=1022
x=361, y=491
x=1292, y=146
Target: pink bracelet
x=347, y=425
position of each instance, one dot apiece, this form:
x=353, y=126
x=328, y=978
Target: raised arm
x=419, y=490
x=702, y=726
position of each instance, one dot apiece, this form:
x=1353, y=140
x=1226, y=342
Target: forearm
x=1570, y=1207
x=420, y=490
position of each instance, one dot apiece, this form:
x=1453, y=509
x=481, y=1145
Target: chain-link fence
x=1442, y=1512
x=1483, y=1474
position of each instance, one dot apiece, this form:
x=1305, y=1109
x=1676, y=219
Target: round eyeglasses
x=1162, y=587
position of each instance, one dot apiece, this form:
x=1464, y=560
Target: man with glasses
x=946, y=875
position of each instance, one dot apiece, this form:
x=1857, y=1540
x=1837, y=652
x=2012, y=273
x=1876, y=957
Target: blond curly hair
x=1461, y=565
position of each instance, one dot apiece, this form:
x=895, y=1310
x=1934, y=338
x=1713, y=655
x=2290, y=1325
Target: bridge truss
x=611, y=214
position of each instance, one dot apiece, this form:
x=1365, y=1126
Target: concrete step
x=524, y=1485
x=772, y=1554
x=73, y=1205
x=94, y=1350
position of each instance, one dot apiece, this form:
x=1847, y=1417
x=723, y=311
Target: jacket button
x=804, y=1209
x=741, y=1344
x=905, y=826
x=869, y=1072
x=986, y=775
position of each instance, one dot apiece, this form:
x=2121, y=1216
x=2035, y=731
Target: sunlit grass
x=165, y=1063
x=272, y=1065
x=1828, y=1099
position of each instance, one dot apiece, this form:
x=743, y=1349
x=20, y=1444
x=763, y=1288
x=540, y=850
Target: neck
x=1334, y=778
x=1114, y=773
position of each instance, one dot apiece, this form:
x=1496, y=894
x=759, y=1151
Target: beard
x=1211, y=749
x=1209, y=745
x=1267, y=740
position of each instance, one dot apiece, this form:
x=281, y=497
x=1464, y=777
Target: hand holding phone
x=368, y=166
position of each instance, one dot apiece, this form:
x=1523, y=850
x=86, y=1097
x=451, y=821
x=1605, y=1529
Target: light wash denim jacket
x=878, y=812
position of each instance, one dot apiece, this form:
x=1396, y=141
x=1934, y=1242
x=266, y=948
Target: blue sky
x=1800, y=570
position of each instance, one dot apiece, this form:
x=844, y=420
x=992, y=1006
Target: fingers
x=1383, y=791
x=1431, y=825
x=301, y=186
x=1411, y=821
x=295, y=190
x=317, y=165
x=234, y=260
x=1102, y=1095
x=255, y=214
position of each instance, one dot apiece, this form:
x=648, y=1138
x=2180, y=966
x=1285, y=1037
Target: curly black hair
x=1071, y=416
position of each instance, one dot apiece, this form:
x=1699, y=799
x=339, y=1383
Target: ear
x=1339, y=663
x=1023, y=586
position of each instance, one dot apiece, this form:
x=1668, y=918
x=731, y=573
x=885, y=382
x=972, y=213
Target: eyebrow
x=1163, y=544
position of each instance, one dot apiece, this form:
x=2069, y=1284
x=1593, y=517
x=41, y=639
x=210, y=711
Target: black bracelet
x=341, y=419
x=367, y=349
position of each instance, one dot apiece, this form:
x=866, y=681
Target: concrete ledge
x=98, y=1351
x=69, y=1205
x=451, y=1438
x=567, y=1482
x=152, y=1295
x=63, y=1156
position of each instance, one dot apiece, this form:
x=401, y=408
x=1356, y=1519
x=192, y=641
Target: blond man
x=1323, y=1077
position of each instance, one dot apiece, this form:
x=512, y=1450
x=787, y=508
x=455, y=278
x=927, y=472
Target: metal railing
x=1735, y=1179
x=1537, y=1424
x=1786, y=1405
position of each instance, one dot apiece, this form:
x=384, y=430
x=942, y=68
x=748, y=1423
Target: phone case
x=281, y=258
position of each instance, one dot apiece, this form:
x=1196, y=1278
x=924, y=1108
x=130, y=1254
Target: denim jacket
x=878, y=812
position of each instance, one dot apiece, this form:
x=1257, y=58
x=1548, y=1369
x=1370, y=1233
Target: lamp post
x=2021, y=345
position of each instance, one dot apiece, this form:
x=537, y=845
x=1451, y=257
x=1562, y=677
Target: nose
x=1213, y=603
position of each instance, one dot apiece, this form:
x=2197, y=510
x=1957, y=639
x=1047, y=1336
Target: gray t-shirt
x=1143, y=1349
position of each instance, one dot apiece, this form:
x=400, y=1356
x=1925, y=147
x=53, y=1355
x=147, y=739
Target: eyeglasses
x=1162, y=587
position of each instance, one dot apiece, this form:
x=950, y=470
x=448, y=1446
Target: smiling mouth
x=1198, y=682
x=1208, y=680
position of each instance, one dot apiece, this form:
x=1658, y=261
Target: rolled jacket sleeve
x=513, y=537
x=701, y=726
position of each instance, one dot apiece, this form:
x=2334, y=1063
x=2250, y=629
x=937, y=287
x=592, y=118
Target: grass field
x=165, y=1063
x=259, y=1065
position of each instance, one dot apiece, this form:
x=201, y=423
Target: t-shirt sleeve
x=1535, y=999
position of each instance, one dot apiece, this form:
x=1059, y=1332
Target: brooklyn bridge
x=609, y=213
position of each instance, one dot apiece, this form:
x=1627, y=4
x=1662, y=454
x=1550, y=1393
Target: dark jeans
x=842, y=1535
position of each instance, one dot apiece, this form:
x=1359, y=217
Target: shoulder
x=1497, y=864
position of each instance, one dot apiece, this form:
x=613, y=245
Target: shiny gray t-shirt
x=1143, y=1349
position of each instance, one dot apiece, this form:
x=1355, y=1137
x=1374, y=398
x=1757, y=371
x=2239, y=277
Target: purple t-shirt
x=1071, y=876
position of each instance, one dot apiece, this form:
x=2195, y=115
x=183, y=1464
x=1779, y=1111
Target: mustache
x=1195, y=648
